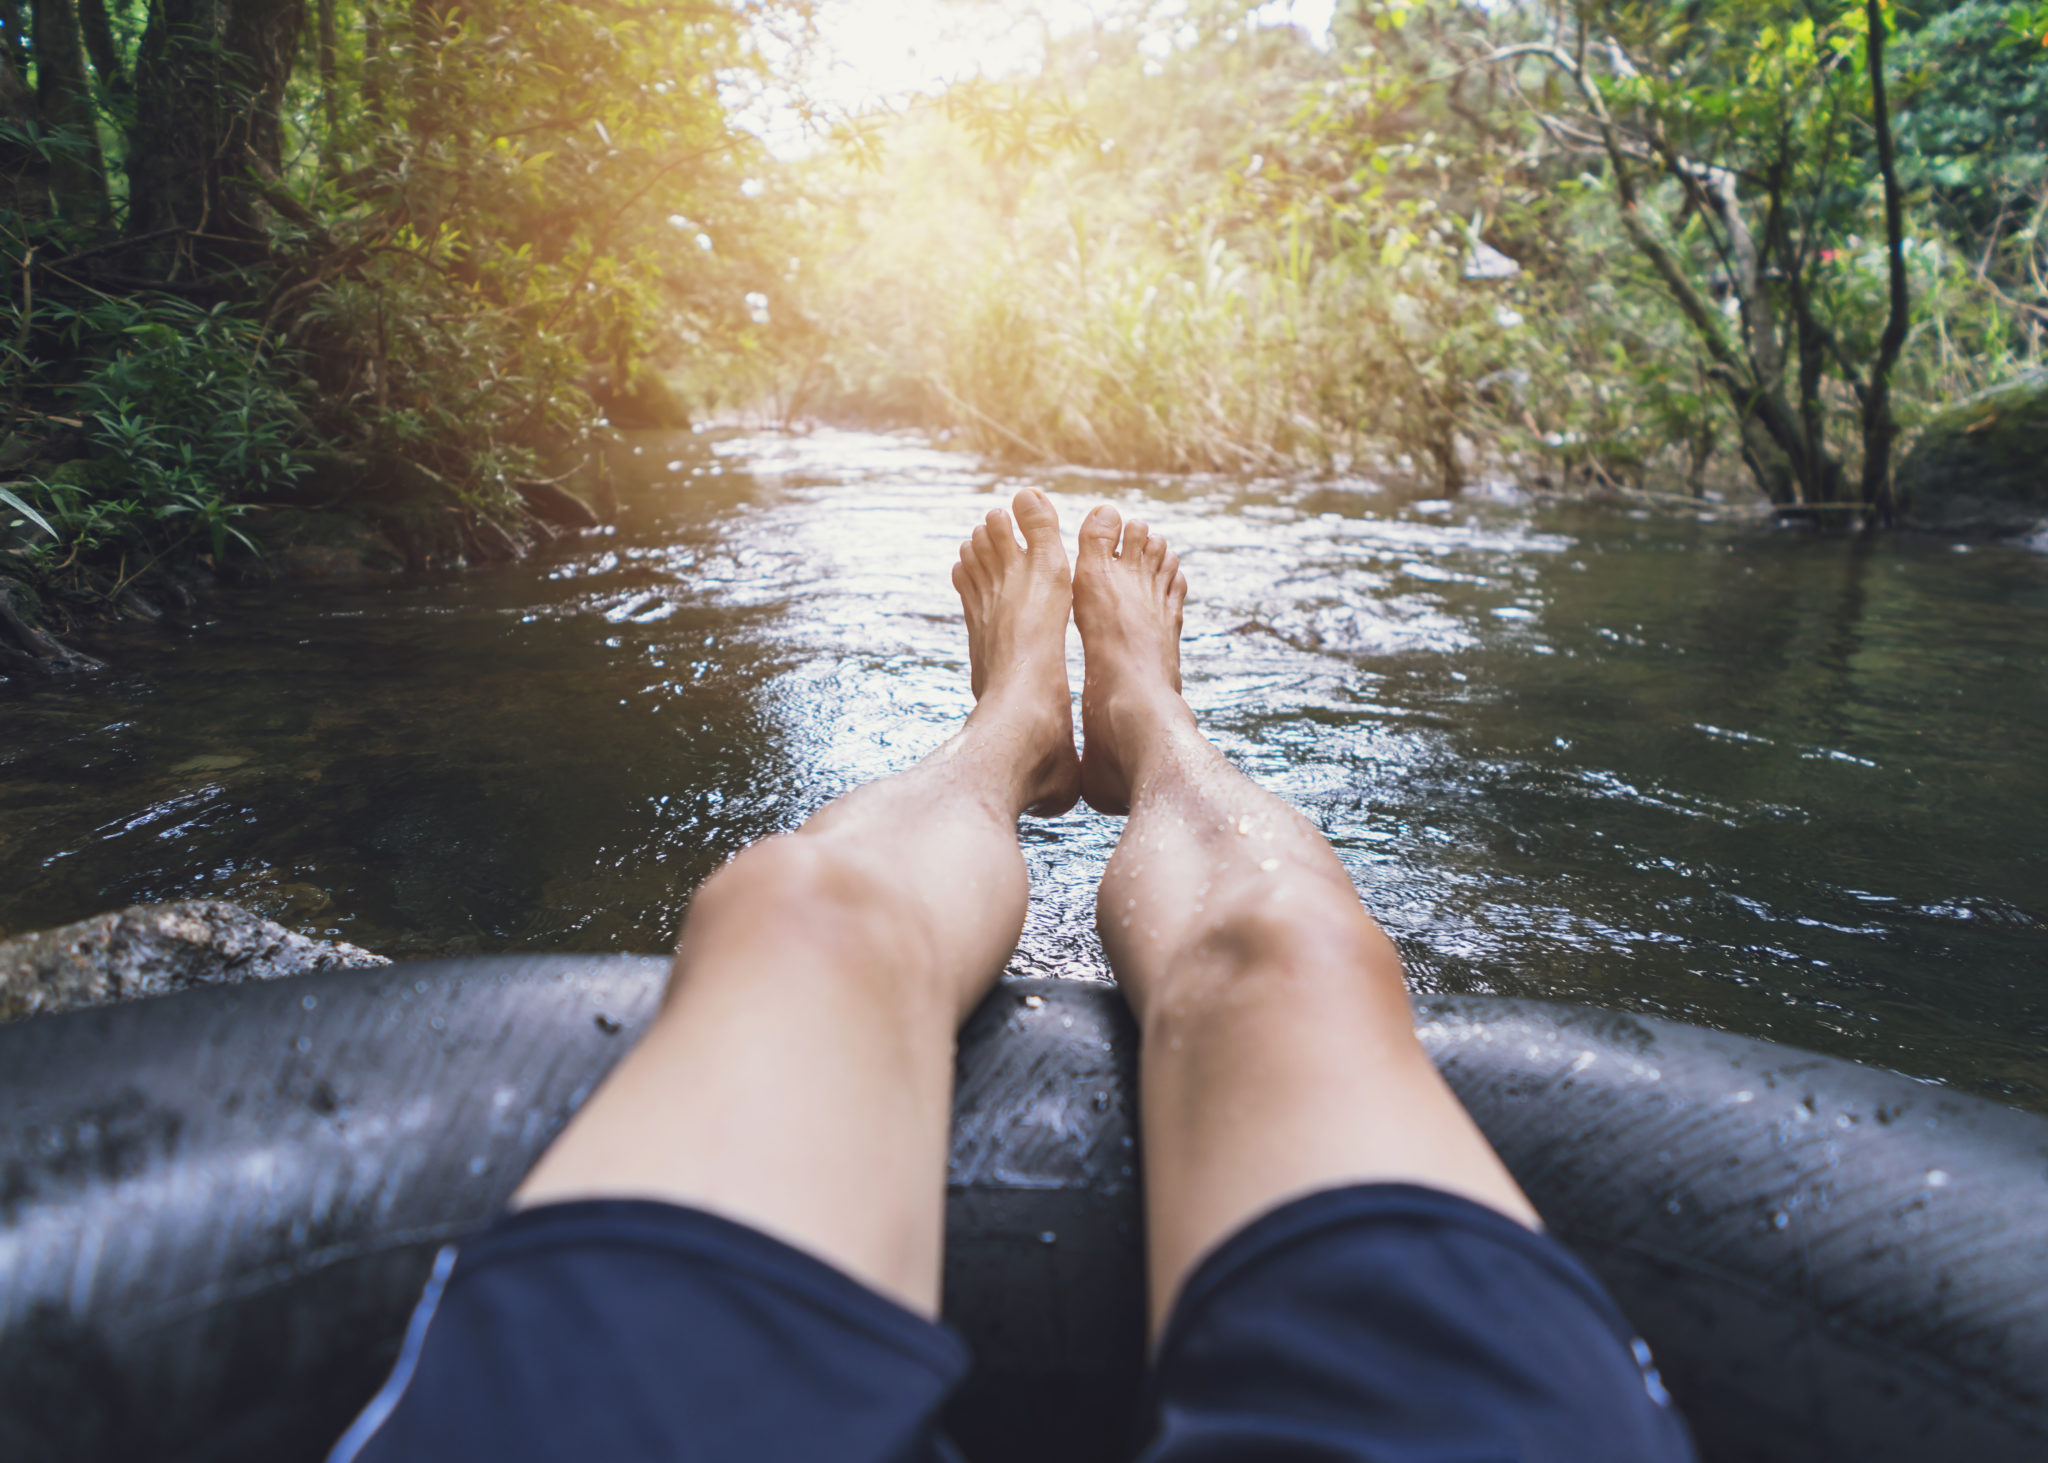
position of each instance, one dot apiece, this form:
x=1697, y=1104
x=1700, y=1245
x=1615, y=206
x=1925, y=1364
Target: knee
x=1300, y=941
x=795, y=887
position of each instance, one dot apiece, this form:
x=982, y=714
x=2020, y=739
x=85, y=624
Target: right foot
x=1127, y=606
x=1017, y=602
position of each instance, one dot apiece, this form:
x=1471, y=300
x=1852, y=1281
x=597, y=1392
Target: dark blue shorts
x=1386, y=1323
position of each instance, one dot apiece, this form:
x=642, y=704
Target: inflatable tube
x=216, y=1209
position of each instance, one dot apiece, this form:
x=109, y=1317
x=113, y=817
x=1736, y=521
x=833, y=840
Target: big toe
x=1039, y=520
x=1099, y=532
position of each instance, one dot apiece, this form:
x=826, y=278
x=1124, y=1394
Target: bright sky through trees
x=884, y=50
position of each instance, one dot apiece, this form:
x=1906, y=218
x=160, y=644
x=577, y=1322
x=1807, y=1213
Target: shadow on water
x=1786, y=786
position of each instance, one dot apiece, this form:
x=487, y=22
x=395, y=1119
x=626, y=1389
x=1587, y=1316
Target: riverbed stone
x=1981, y=465
x=154, y=949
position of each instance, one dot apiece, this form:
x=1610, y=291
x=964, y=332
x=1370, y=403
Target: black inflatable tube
x=217, y=1208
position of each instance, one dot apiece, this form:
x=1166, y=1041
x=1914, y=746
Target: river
x=1782, y=785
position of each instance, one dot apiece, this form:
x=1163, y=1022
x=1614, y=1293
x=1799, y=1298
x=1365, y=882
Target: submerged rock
x=1981, y=466
x=153, y=949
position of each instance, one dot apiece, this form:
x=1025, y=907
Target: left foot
x=1018, y=601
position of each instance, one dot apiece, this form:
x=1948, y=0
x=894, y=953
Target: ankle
x=1149, y=726
x=1025, y=726
x=1022, y=753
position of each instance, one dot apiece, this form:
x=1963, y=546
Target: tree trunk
x=1878, y=427
x=98, y=30
x=1759, y=327
x=1765, y=458
x=24, y=176
x=208, y=145
x=330, y=99
x=78, y=174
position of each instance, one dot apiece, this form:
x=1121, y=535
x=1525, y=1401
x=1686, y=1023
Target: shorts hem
x=701, y=1238
x=1360, y=1206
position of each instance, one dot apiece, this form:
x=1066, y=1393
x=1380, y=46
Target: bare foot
x=1017, y=602
x=1127, y=605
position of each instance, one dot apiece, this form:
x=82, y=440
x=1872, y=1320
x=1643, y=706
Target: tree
x=1742, y=139
x=206, y=154
x=403, y=285
x=78, y=178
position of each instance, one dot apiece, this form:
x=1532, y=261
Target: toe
x=1169, y=565
x=1040, y=522
x=1155, y=553
x=1002, y=538
x=1098, y=536
x=1178, y=594
x=970, y=565
x=1135, y=535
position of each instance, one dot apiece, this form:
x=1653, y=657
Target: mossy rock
x=310, y=546
x=1981, y=466
x=98, y=477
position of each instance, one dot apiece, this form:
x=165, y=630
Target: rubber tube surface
x=217, y=1208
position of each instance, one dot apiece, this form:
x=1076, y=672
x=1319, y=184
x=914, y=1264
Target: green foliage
x=1975, y=119
x=187, y=418
x=28, y=514
x=1974, y=141
x=1194, y=242
x=568, y=169
x=445, y=241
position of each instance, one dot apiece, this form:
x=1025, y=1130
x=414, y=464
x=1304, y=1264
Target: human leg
x=1279, y=1056
x=786, y=1113
x=1340, y=1266
x=799, y=1076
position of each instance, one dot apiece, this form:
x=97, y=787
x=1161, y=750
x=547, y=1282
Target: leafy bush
x=186, y=415
x=412, y=251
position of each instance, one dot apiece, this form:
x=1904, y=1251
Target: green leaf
x=14, y=501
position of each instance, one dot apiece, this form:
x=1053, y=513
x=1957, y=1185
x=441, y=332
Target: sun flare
x=883, y=51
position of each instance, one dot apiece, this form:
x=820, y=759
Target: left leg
x=799, y=1077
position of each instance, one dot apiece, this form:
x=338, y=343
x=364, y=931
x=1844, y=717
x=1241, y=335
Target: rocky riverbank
x=154, y=949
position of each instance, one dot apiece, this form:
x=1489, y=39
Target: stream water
x=1787, y=786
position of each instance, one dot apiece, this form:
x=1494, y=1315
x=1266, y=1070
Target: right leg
x=1279, y=1055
